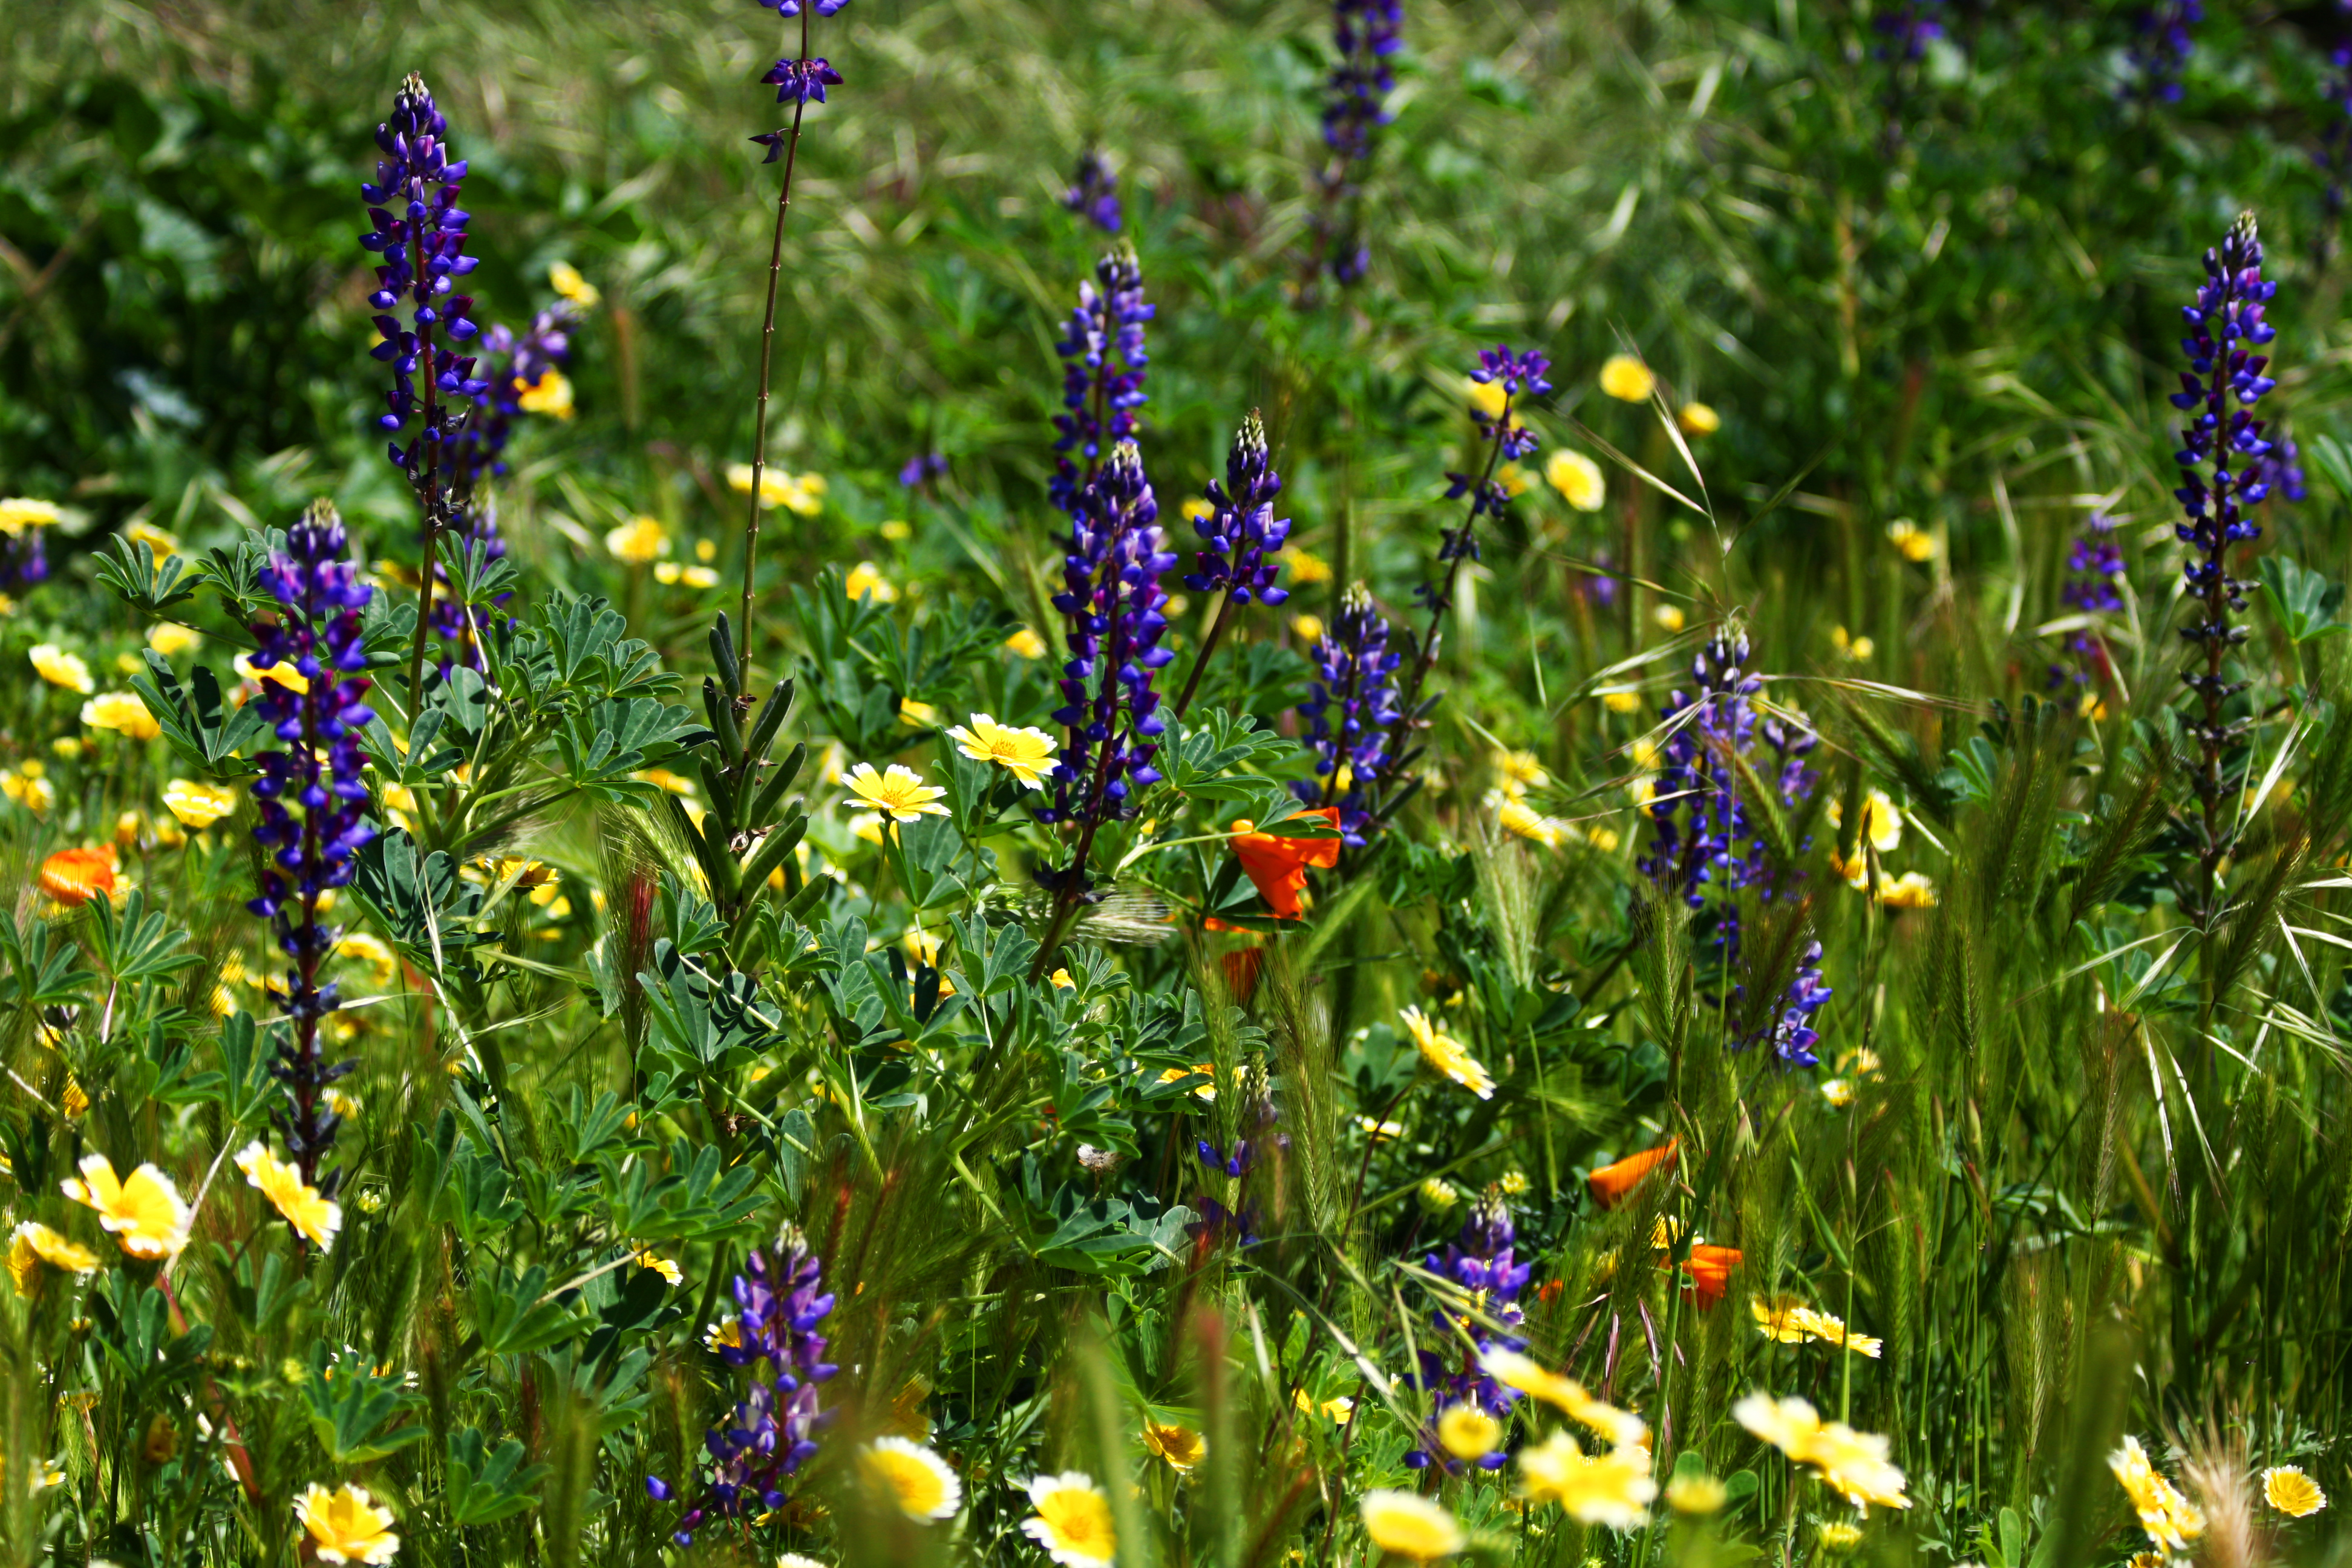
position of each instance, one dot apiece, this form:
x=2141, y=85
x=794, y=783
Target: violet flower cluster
x=1792, y=1035
x=2161, y=47
x=1703, y=840
x=1258, y=1135
x=420, y=230
x=1483, y=1260
x=2226, y=326
x=1241, y=531
x=514, y=364
x=1368, y=35
x=773, y=1431
x=1908, y=29
x=1117, y=615
x=1094, y=193
x=798, y=80
x=312, y=798
x=1103, y=364
x=1508, y=440
x=24, y=554
x=2094, y=568
x=1350, y=713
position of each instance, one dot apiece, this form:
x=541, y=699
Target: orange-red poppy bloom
x=1242, y=966
x=1707, y=1273
x=76, y=876
x=1278, y=866
x=1611, y=1182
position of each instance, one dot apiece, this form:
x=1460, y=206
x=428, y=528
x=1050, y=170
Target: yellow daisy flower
x=1699, y=419
x=345, y=1525
x=1180, y=1446
x=122, y=713
x=865, y=580
x=170, y=638
x=1467, y=1431
x=2286, y=1489
x=1408, y=1525
x=1023, y=753
x=145, y=1212
x=913, y=1478
x=1073, y=1520
x=1613, y=1488
x=18, y=513
x=550, y=395
x=1449, y=1057
x=638, y=540
x=34, y=1248
x=565, y=279
x=314, y=1218
x=898, y=792
x=1025, y=644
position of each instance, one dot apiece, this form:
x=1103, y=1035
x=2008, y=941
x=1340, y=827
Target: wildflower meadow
x=825, y=782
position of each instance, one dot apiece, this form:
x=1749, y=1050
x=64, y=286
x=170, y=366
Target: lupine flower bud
x=1349, y=713
x=1094, y=193
x=1242, y=531
x=1117, y=615
x=772, y=1432
x=310, y=796
x=420, y=231
x=1103, y=366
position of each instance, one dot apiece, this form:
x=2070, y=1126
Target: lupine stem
x=1442, y=598
x=767, y=356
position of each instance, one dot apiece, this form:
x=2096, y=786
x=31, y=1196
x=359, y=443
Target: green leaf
x=135, y=943
x=130, y=571
x=486, y=1485
x=2305, y=600
x=198, y=720
x=355, y=1412
x=512, y=1319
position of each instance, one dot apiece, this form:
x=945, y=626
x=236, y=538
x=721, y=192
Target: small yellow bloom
x=897, y=529
x=1839, y=1536
x=1520, y=771
x=170, y=638
x=1437, y=1195
x=1605, y=839
x=1696, y=1494
x=865, y=580
x=285, y=675
x=1073, y=1520
x=1061, y=981
x=1514, y=480
x=1668, y=616
x=911, y=1478
x=18, y=513
x=1613, y=1488
x=122, y=713
x=550, y=395
x=1025, y=644
x=565, y=279
x=1514, y=1183
x=360, y=948
x=145, y=1212
x=1916, y=542
x=1196, y=509
x=1447, y=1056
x=58, y=668
x=802, y=495
x=1854, y=648
x=2171, y=1519
x=1621, y=702
x=1306, y=629
x=345, y=1526
x=638, y=540
x=1307, y=568
x=34, y=1248
x=1410, y=1526
x=1487, y=396
x=706, y=550
x=1520, y=820
x=77, y=1100
x=1627, y=379
x=1578, y=478
x=1467, y=1431
x=1838, y=1092
x=314, y=1218
x=700, y=577
x=1699, y=419
x=1023, y=753
x=160, y=544
x=1911, y=890
x=29, y=789
x=1181, y=1446
x=2286, y=1489
x=666, y=1267
x=898, y=792
x=1882, y=820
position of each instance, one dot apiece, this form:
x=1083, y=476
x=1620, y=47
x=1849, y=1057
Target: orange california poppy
x=1278, y=866
x=1242, y=966
x=1611, y=1182
x=75, y=876
x=1707, y=1273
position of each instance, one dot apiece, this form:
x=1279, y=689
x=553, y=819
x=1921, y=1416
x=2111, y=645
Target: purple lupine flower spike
x=1368, y=35
x=2095, y=567
x=1351, y=712
x=420, y=230
x=2160, y=49
x=1482, y=1260
x=311, y=799
x=1116, y=612
x=799, y=82
x=1104, y=361
x=773, y=1431
x=1094, y=193
x=1242, y=531
x=1908, y=28
x=2226, y=326
x=1793, y=1035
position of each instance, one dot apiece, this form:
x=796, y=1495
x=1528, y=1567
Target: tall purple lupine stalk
x=1349, y=713
x=311, y=799
x=1094, y=193
x=1241, y=535
x=420, y=230
x=2226, y=325
x=2094, y=568
x=1483, y=1260
x=1506, y=441
x=1368, y=35
x=771, y=1432
x=797, y=80
x=2158, y=56
x=1103, y=363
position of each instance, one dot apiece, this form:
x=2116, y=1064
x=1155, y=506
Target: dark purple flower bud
x=1094, y=193
x=798, y=81
x=922, y=469
x=2161, y=47
x=1241, y=529
x=1103, y=365
x=1349, y=713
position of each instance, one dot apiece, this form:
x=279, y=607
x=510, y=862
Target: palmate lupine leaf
x=487, y=1485
x=357, y=1413
x=198, y=720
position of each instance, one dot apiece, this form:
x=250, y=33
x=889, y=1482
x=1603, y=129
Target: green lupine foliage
x=635, y=984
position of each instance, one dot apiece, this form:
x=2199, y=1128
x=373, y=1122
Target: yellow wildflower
x=1408, y=1525
x=1307, y=568
x=18, y=513
x=34, y=1248
x=1073, y=1520
x=1668, y=616
x=1487, y=396
x=1621, y=702
x=145, y=1212
x=1627, y=379
x=911, y=1478
x=1613, y=1488
x=865, y=580
x=1306, y=629
x=345, y=1525
x=565, y=279
x=122, y=713
x=550, y=395
x=1467, y=1431
x=1180, y=1446
x=898, y=792
x=638, y=540
x=315, y=1218
x=286, y=674
x=1449, y=1057
x=1025, y=644
x=1696, y=1494
x=1699, y=419
x=58, y=668
x=170, y=638
x=2286, y=1489
x=1577, y=478
x=1916, y=542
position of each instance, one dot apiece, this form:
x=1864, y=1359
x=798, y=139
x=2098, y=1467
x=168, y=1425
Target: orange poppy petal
x=1611, y=1182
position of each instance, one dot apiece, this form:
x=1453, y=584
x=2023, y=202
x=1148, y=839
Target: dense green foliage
x=636, y=982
